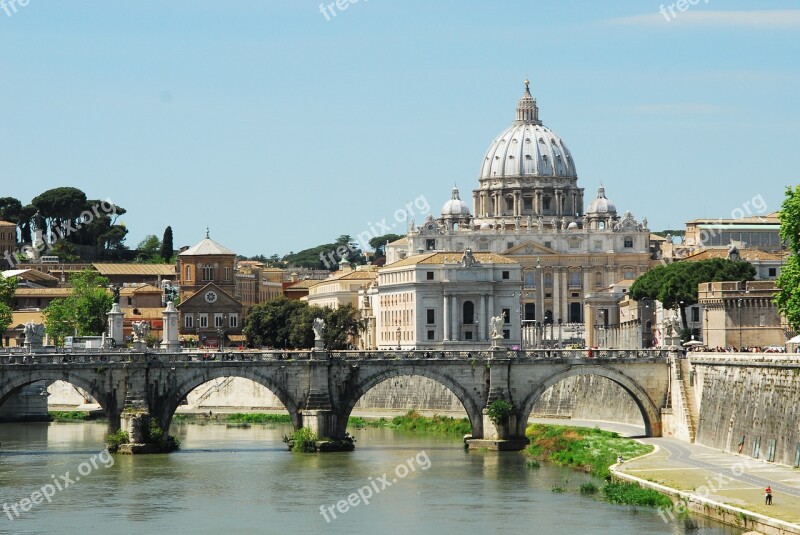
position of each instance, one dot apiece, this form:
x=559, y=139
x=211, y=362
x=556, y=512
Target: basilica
x=528, y=209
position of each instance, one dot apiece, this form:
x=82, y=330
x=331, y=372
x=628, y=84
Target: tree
x=8, y=287
x=378, y=244
x=84, y=312
x=788, y=297
x=58, y=206
x=149, y=249
x=283, y=323
x=329, y=255
x=675, y=285
x=167, y=250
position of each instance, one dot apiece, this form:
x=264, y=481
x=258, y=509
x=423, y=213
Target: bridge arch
x=472, y=406
x=650, y=412
x=87, y=380
x=167, y=404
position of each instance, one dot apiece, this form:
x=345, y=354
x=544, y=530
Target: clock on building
x=211, y=296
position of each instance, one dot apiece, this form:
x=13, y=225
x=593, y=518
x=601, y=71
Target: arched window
x=598, y=279
x=548, y=316
x=188, y=273
x=530, y=279
x=548, y=280
x=628, y=242
x=468, y=310
x=208, y=273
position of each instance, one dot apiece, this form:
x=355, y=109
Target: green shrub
x=69, y=416
x=588, y=488
x=115, y=440
x=499, y=411
x=304, y=440
x=632, y=494
x=258, y=418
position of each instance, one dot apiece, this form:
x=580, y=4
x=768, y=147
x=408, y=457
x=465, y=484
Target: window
x=628, y=242
x=203, y=321
x=598, y=280
x=575, y=313
x=628, y=274
x=208, y=273
x=233, y=320
x=430, y=245
x=431, y=335
x=773, y=272
x=695, y=314
x=530, y=311
x=506, y=315
x=188, y=322
x=509, y=204
x=545, y=203
x=506, y=275
x=575, y=279
x=431, y=319
x=429, y=275
x=468, y=313
x=601, y=225
x=530, y=280
x=762, y=320
x=510, y=245
x=527, y=203
x=217, y=320
x=506, y=334
x=188, y=273
x=548, y=244
x=548, y=280
x=227, y=273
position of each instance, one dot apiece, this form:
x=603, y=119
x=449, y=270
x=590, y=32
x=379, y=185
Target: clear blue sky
x=280, y=129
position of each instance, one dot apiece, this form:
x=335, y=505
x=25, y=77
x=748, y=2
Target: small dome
x=455, y=207
x=601, y=204
x=485, y=226
x=572, y=226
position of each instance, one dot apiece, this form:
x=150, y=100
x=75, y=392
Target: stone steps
x=688, y=397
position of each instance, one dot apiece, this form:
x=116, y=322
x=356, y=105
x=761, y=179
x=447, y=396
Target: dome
x=601, y=204
x=455, y=207
x=572, y=226
x=527, y=148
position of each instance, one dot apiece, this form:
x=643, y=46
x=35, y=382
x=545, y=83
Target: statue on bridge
x=34, y=334
x=496, y=329
x=140, y=330
x=319, y=328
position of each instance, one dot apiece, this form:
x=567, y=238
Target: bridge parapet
x=128, y=356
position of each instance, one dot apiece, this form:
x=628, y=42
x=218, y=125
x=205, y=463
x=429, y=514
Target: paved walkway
x=735, y=480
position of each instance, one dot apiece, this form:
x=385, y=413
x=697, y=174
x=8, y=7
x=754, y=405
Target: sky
x=283, y=124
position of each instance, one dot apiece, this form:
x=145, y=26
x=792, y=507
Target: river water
x=242, y=480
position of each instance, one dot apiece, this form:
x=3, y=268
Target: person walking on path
x=768, y=498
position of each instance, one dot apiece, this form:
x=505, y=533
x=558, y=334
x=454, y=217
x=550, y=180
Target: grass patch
x=587, y=449
x=588, y=488
x=415, y=422
x=257, y=418
x=69, y=416
x=632, y=494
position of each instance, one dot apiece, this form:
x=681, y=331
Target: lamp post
x=221, y=334
x=560, y=344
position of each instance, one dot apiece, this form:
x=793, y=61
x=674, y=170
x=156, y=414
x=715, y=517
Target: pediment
x=529, y=249
x=199, y=299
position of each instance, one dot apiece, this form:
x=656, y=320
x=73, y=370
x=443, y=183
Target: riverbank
x=593, y=451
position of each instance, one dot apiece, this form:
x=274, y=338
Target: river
x=228, y=480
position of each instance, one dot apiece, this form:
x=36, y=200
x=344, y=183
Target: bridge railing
x=126, y=356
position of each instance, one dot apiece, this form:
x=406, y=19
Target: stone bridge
x=320, y=389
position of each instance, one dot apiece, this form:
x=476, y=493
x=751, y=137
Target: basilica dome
x=527, y=148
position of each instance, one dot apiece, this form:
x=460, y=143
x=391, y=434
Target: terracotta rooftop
x=745, y=253
x=164, y=270
x=450, y=258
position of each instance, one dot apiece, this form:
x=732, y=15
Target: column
x=446, y=317
x=483, y=327
x=564, y=296
x=556, y=293
x=454, y=319
x=490, y=312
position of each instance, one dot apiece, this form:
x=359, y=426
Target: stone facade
x=8, y=244
x=445, y=300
